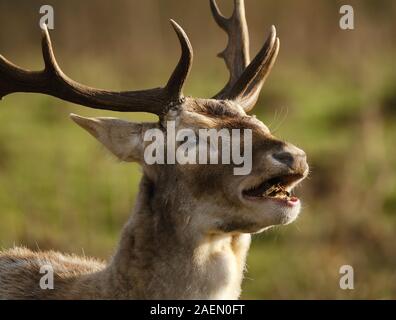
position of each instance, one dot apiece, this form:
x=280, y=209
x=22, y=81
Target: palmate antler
x=243, y=87
x=52, y=81
x=246, y=78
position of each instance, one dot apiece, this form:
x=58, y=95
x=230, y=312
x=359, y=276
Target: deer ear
x=123, y=138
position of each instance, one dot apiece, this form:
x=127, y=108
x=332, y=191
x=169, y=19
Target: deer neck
x=162, y=255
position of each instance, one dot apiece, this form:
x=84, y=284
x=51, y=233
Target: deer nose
x=284, y=157
x=294, y=158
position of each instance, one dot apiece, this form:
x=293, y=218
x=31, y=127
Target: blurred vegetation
x=332, y=92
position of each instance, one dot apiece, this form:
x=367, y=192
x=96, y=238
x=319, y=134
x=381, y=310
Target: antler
x=246, y=79
x=52, y=81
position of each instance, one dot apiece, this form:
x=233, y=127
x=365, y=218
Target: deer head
x=216, y=198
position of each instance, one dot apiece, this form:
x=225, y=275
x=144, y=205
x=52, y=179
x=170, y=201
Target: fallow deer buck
x=189, y=235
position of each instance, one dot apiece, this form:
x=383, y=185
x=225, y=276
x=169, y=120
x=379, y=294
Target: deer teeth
x=277, y=187
x=277, y=191
x=274, y=190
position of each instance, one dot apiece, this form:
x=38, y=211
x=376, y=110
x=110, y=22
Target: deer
x=191, y=228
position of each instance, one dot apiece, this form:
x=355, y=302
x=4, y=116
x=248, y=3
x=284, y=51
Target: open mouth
x=276, y=188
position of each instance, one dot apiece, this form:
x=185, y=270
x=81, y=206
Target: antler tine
x=247, y=89
x=246, y=78
x=236, y=54
x=221, y=20
x=52, y=81
x=180, y=74
x=48, y=53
